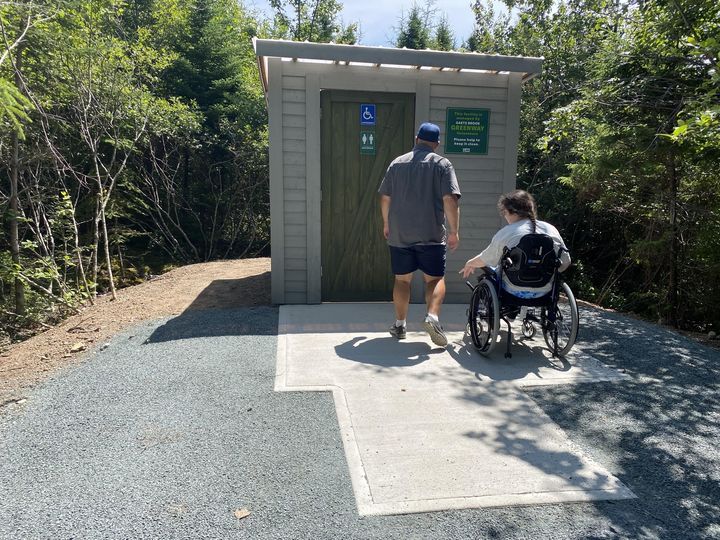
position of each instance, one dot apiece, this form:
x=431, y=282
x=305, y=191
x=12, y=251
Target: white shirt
x=509, y=236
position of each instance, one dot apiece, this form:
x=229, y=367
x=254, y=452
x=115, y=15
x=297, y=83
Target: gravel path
x=175, y=426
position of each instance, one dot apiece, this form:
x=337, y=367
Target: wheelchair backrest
x=534, y=261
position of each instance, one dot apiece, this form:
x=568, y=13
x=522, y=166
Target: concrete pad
x=427, y=428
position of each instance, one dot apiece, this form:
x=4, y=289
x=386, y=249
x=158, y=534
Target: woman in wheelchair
x=521, y=268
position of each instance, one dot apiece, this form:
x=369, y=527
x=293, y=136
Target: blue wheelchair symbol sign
x=367, y=114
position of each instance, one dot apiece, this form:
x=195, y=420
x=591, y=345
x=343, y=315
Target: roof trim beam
x=409, y=57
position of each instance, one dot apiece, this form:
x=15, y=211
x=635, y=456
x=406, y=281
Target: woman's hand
x=467, y=270
x=471, y=265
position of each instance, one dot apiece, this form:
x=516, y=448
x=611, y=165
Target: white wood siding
x=295, y=160
x=295, y=194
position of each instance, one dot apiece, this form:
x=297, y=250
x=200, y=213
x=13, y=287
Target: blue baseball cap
x=429, y=132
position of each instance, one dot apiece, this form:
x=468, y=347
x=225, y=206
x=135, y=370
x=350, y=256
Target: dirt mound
x=223, y=284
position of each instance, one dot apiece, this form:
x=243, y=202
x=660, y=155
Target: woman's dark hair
x=520, y=203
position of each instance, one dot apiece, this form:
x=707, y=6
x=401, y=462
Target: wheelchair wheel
x=528, y=329
x=560, y=336
x=484, y=318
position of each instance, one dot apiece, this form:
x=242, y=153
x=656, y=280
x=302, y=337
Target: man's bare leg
x=401, y=295
x=434, y=294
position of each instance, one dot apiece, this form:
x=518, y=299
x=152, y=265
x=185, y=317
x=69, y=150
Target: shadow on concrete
x=226, y=307
x=385, y=351
x=528, y=358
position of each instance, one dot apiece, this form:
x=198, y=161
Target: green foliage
x=444, y=39
x=415, y=31
x=153, y=108
x=619, y=143
x=300, y=20
x=13, y=106
x=491, y=31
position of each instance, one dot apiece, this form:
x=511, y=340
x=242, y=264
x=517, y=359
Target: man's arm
x=452, y=214
x=385, y=209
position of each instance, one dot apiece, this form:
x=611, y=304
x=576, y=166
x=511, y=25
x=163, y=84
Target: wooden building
x=338, y=115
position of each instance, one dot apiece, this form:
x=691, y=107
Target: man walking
x=418, y=193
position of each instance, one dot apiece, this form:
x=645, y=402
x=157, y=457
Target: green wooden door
x=355, y=258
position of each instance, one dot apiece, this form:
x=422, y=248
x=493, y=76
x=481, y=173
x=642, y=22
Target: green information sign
x=367, y=142
x=467, y=131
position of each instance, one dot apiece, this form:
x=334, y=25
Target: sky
x=379, y=19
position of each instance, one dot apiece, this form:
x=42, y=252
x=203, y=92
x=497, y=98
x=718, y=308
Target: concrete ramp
x=428, y=429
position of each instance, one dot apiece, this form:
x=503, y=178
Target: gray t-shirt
x=416, y=182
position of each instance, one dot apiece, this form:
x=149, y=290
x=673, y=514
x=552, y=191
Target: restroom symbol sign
x=367, y=114
x=368, y=143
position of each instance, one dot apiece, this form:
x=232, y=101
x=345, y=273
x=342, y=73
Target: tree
x=16, y=21
x=444, y=39
x=204, y=190
x=491, y=31
x=316, y=21
x=629, y=155
x=134, y=133
x=414, y=32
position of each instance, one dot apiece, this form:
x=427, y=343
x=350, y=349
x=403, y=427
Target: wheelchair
x=533, y=263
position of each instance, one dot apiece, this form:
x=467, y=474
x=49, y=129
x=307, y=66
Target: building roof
x=362, y=55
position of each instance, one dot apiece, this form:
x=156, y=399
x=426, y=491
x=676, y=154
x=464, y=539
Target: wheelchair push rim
x=560, y=336
x=484, y=317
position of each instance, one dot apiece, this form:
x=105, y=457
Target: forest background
x=133, y=138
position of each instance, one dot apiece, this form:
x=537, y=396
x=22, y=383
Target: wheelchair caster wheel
x=528, y=329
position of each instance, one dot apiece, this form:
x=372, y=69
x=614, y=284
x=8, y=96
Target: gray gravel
x=174, y=426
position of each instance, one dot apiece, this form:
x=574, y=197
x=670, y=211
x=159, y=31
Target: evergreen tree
x=316, y=21
x=414, y=32
x=444, y=39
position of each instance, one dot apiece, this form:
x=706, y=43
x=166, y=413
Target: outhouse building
x=338, y=115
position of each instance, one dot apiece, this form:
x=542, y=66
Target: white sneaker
x=435, y=331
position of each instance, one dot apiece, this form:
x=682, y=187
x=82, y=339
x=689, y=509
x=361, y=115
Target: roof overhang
x=362, y=55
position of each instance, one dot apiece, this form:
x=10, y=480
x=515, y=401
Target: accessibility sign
x=367, y=142
x=367, y=114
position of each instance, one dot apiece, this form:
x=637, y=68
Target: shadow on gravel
x=239, y=307
x=659, y=434
x=234, y=293
x=249, y=321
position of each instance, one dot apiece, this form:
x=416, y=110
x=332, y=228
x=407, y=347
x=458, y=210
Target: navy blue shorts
x=428, y=258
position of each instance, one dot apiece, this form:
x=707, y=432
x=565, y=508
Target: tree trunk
x=108, y=260
x=78, y=253
x=674, y=243
x=96, y=246
x=15, y=203
x=120, y=255
x=14, y=231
